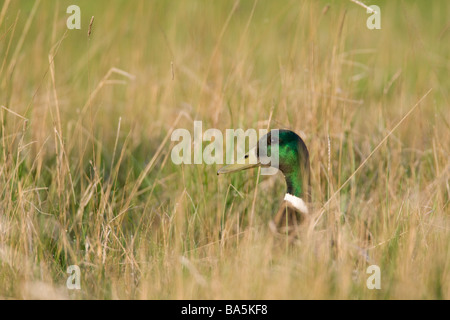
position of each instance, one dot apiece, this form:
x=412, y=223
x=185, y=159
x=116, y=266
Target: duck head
x=292, y=155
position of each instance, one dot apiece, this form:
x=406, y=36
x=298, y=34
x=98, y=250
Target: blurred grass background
x=86, y=176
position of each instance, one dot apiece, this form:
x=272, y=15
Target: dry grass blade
x=15, y=113
x=91, y=23
x=3, y=12
x=368, y=157
x=359, y=3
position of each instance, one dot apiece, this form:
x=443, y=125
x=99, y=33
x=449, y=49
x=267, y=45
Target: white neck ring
x=297, y=202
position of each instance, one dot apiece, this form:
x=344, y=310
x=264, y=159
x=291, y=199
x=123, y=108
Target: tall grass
x=86, y=176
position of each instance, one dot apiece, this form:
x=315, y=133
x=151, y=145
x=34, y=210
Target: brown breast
x=288, y=218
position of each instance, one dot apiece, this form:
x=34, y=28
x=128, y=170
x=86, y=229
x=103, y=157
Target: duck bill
x=237, y=167
x=250, y=161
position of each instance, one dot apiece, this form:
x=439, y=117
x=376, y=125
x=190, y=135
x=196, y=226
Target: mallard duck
x=294, y=164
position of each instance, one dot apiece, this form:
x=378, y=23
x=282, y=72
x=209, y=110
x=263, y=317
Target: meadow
x=86, y=176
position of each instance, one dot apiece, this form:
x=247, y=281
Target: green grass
x=86, y=176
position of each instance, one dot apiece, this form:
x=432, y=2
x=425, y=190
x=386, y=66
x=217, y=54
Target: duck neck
x=294, y=182
x=297, y=180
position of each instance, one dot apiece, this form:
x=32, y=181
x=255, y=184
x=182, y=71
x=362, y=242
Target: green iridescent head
x=293, y=159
